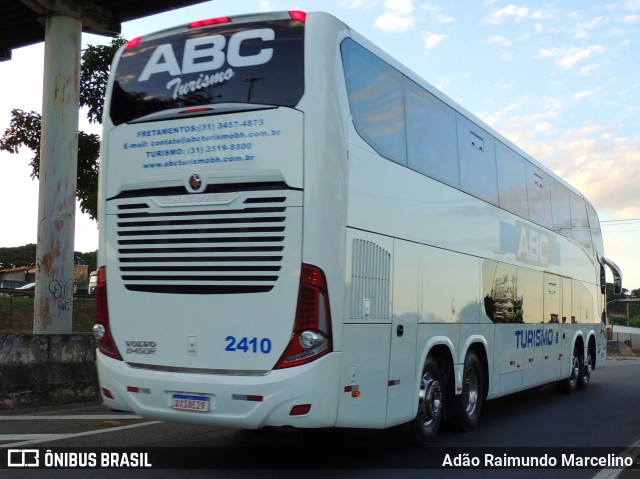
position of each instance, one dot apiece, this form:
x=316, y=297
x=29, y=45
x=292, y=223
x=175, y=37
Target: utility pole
x=58, y=172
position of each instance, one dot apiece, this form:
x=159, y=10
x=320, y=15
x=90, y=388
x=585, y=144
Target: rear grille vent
x=196, y=250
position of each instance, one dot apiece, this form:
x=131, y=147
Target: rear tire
x=568, y=385
x=468, y=405
x=431, y=402
x=586, y=365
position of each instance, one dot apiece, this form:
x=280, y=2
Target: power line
x=630, y=220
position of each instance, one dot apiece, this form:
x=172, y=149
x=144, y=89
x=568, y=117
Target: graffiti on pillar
x=62, y=294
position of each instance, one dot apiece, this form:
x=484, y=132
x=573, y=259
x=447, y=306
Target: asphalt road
x=606, y=415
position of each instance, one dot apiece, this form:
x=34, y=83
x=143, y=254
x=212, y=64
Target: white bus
x=296, y=230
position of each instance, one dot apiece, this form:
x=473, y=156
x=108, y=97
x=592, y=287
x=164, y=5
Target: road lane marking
x=87, y=417
x=25, y=437
x=631, y=451
x=59, y=437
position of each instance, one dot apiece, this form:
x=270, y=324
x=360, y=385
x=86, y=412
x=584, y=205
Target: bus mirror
x=617, y=285
x=617, y=275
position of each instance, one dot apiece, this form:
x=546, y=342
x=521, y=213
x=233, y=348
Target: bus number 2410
x=248, y=345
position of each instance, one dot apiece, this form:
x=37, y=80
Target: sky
x=560, y=79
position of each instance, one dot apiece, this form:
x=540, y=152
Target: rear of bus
x=207, y=312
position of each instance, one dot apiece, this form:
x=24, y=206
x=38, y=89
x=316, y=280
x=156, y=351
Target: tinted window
x=596, y=231
x=376, y=101
x=560, y=208
x=501, y=301
x=539, y=195
x=579, y=221
x=260, y=63
x=512, y=181
x=530, y=289
x=477, y=161
x=431, y=135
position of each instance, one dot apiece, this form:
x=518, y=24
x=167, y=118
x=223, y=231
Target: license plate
x=188, y=402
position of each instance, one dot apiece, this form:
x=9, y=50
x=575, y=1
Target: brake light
x=134, y=42
x=195, y=110
x=298, y=15
x=209, y=21
x=311, y=336
x=101, y=330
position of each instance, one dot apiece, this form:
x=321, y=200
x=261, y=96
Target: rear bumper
x=232, y=399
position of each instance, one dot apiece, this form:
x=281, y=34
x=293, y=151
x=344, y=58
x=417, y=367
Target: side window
x=560, y=208
x=596, y=231
x=579, y=221
x=512, y=181
x=431, y=135
x=501, y=302
x=539, y=195
x=376, y=99
x=476, y=150
x=531, y=287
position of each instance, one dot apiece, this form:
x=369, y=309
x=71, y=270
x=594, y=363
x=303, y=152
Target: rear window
x=259, y=63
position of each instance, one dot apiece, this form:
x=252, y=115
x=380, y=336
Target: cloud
x=603, y=166
x=523, y=130
x=632, y=5
x=583, y=94
x=352, y=4
x=567, y=57
x=435, y=13
x=504, y=41
x=432, y=39
x=506, y=13
x=582, y=29
x=265, y=6
x=396, y=16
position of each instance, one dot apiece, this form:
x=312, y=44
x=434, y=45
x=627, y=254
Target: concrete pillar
x=58, y=169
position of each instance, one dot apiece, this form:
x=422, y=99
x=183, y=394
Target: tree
x=18, y=256
x=24, y=127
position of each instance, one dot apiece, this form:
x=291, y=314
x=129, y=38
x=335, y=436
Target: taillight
x=209, y=21
x=311, y=337
x=101, y=331
x=297, y=15
x=134, y=42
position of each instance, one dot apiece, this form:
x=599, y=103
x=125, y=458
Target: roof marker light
x=209, y=21
x=196, y=110
x=134, y=42
x=298, y=15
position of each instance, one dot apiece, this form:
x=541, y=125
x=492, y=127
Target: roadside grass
x=16, y=314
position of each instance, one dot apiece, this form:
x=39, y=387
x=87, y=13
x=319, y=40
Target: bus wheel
x=431, y=397
x=585, y=372
x=468, y=405
x=568, y=385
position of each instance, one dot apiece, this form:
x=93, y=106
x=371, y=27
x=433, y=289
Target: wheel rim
x=575, y=373
x=587, y=369
x=430, y=400
x=470, y=391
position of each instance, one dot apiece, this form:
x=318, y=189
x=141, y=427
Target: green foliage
x=88, y=168
x=635, y=322
x=94, y=73
x=26, y=256
x=24, y=130
x=25, y=127
x=90, y=258
x=16, y=314
x=18, y=256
